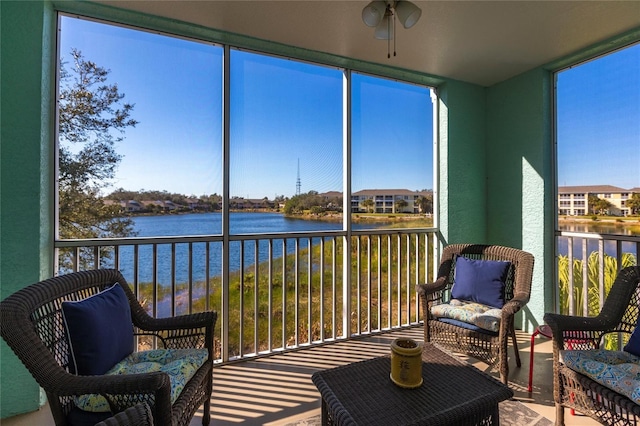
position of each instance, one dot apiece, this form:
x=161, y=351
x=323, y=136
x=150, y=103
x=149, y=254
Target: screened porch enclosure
x=492, y=167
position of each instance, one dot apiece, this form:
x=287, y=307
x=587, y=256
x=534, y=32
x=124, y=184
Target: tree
x=299, y=203
x=603, y=206
x=92, y=119
x=592, y=200
x=634, y=204
x=425, y=204
x=368, y=204
x=598, y=205
x=292, y=205
x=400, y=204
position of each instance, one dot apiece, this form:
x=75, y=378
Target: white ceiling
x=482, y=42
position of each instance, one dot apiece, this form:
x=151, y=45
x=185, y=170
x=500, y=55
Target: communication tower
x=298, y=184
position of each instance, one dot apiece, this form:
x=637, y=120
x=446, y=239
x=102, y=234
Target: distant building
x=241, y=203
x=195, y=204
x=258, y=203
x=333, y=200
x=166, y=205
x=126, y=205
x=385, y=200
x=574, y=200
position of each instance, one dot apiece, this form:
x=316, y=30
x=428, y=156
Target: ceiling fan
x=382, y=15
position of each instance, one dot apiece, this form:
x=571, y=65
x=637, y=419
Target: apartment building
x=574, y=200
x=386, y=200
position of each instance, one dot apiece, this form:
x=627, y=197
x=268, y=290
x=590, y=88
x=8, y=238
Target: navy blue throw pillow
x=480, y=281
x=633, y=345
x=100, y=331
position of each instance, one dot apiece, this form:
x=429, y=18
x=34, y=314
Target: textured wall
x=462, y=163
x=25, y=242
x=495, y=160
x=519, y=166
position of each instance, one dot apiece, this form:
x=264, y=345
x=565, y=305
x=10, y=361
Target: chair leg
x=504, y=378
x=515, y=347
x=504, y=366
x=206, y=415
x=559, y=415
x=533, y=338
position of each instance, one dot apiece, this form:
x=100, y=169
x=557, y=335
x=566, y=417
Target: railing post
x=346, y=205
x=223, y=315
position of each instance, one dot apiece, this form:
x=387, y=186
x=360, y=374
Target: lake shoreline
x=629, y=226
x=380, y=218
x=601, y=219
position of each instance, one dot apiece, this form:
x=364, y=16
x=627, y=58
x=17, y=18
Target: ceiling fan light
x=408, y=13
x=384, y=30
x=373, y=13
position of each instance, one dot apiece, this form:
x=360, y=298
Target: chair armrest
x=182, y=322
x=123, y=391
x=563, y=323
x=150, y=383
x=139, y=415
x=514, y=305
x=426, y=289
x=581, y=332
x=184, y=331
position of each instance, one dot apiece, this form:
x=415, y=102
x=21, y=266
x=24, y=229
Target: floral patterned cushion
x=617, y=370
x=179, y=364
x=483, y=316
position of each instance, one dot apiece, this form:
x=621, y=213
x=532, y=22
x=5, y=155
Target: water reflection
x=591, y=245
x=600, y=228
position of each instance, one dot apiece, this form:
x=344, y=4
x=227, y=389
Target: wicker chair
x=138, y=415
x=32, y=325
x=619, y=314
x=486, y=346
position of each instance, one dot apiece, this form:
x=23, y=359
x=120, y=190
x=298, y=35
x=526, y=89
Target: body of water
x=181, y=261
x=609, y=228
x=211, y=224
x=596, y=227
x=255, y=223
x=239, y=223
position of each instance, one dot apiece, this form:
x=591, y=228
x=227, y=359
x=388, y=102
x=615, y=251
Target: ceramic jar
x=406, y=363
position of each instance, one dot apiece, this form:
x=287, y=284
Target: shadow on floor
x=277, y=390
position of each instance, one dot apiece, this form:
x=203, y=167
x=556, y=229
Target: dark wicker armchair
x=138, y=415
x=486, y=346
x=619, y=314
x=32, y=325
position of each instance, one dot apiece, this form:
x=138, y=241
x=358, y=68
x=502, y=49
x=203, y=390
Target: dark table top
x=453, y=393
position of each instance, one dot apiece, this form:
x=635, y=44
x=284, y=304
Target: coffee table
x=453, y=393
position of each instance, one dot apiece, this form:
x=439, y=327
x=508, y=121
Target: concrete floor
x=277, y=390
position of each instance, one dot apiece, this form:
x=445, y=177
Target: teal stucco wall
x=27, y=35
x=520, y=179
x=462, y=163
x=496, y=173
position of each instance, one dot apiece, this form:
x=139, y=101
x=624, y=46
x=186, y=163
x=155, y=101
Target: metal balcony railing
x=587, y=265
x=273, y=292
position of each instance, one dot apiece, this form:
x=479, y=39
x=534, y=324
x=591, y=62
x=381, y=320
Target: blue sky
x=284, y=112
x=598, y=105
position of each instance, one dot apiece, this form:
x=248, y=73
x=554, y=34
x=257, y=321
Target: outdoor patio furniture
x=138, y=415
x=484, y=336
x=575, y=390
x=452, y=393
x=34, y=327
